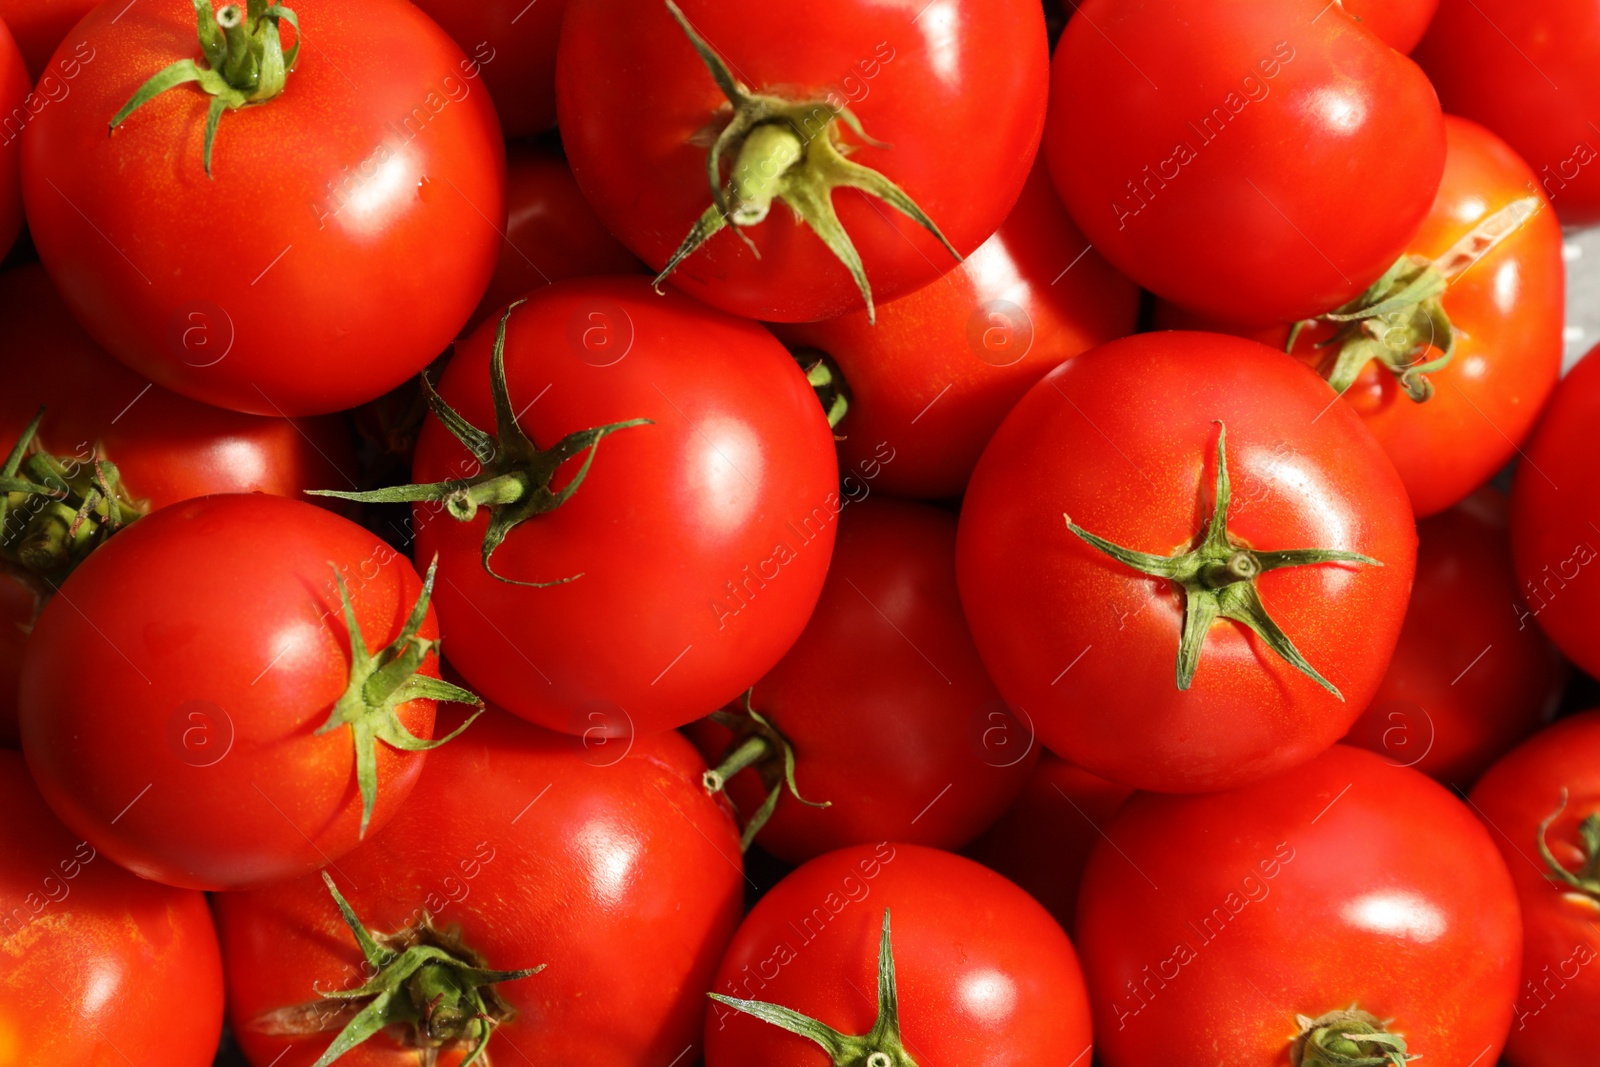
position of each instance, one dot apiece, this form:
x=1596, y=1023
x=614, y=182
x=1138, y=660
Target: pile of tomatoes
x=883, y=533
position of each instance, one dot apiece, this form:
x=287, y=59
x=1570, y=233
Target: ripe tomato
x=342, y=237
x=513, y=44
x=606, y=866
x=1241, y=920
x=690, y=557
x=96, y=966
x=1531, y=73
x=14, y=86
x=970, y=970
x=892, y=721
x=551, y=232
x=1491, y=235
x=1400, y=25
x=1042, y=843
x=942, y=366
x=1123, y=441
x=1271, y=168
x=1542, y=802
x=1472, y=674
x=224, y=760
x=39, y=27
x=844, y=93
x=1555, y=507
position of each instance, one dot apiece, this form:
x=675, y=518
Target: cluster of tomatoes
x=891, y=497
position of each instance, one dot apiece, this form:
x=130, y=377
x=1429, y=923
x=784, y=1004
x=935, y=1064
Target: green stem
x=1587, y=878
x=756, y=743
x=1349, y=1038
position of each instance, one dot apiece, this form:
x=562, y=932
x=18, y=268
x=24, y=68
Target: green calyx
x=789, y=151
x=1585, y=880
x=1401, y=316
x=756, y=743
x=1218, y=579
x=423, y=978
x=879, y=1047
x=54, y=512
x=1349, y=1038
x=379, y=683
x=514, y=482
x=245, y=62
x=826, y=381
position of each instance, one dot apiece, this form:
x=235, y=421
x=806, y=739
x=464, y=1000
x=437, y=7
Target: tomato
x=605, y=865
x=1243, y=920
x=942, y=366
x=946, y=137
x=1400, y=25
x=39, y=27
x=970, y=970
x=1281, y=171
x=96, y=966
x=14, y=97
x=1472, y=674
x=1042, y=843
x=330, y=246
x=1123, y=441
x=1555, y=506
x=689, y=558
x=551, y=232
x=1531, y=73
x=892, y=721
x=513, y=43
x=219, y=757
x=1540, y=802
x=1491, y=237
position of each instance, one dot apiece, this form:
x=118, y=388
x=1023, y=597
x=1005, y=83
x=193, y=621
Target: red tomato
x=1282, y=169
x=96, y=966
x=513, y=44
x=1042, y=843
x=218, y=626
x=343, y=236
x=893, y=722
x=607, y=866
x=1400, y=25
x=1531, y=73
x=1472, y=675
x=691, y=556
x=984, y=976
x=551, y=232
x=953, y=128
x=1505, y=304
x=1540, y=801
x=39, y=27
x=1555, y=507
x=1123, y=441
x=1242, y=919
x=14, y=115
x=942, y=366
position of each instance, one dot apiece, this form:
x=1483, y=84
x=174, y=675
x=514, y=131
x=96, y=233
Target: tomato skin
x=286, y=261
x=1553, y=514
x=1428, y=936
x=1471, y=676
x=630, y=104
x=1399, y=25
x=513, y=43
x=96, y=966
x=617, y=872
x=1499, y=63
x=225, y=606
x=1557, y=1012
x=686, y=598
x=551, y=232
x=14, y=87
x=39, y=26
x=985, y=976
x=1331, y=126
x=940, y=369
x=885, y=701
x=1085, y=674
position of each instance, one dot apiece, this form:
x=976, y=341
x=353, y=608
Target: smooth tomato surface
x=1123, y=440
x=1221, y=917
x=348, y=230
x=1255, y=162
x=213, y=629
x=1400, y=25
x=514, y=44
x=96, y=966
x=14, y=86
x=39, y=27
x=606, y=863
x=941, y=367
x=958, y=128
